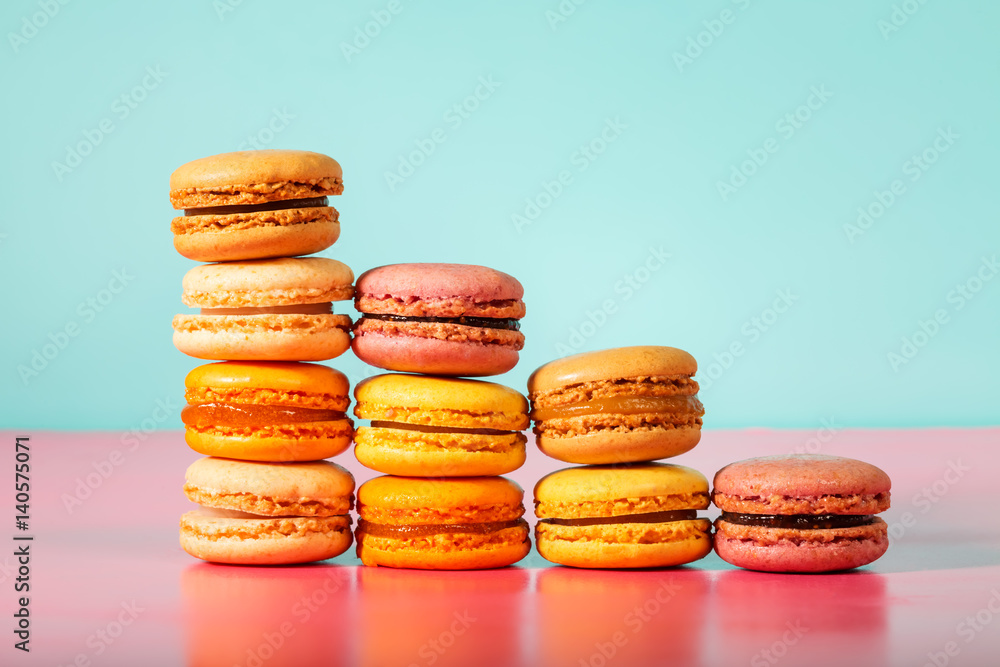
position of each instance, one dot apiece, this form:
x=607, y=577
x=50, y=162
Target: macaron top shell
x=801, y=475
x=254, y=177
x=316, y=482
x=622, y=362
x=420, y=399
x=430, y=280
x=267, y=283
x=400, y=495
x=269, y=382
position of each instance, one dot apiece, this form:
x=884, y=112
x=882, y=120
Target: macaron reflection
x=605, y=617
x=295, y=616
x=416, y=617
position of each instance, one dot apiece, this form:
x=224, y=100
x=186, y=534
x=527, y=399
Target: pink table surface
x=110, y=586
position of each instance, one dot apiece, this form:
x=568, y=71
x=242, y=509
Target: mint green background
x=655, y=186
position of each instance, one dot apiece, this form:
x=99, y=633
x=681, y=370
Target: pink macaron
x=441, y=319
x=800, y=513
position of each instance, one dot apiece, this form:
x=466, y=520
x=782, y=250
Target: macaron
x=465, y=523
x=268, y=309
x=440, y=319
x=622, y=405
x=643, y=515
x=267, y=411
x=267, y=513
x=801, y=513
x=255, y=204
x=426, y=426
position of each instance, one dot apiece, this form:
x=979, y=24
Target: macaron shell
x=490, y=551
x=852, y=548
x=422, y=454
x=566, y=545
x=317, y=488
x=622, y=362
x=610, y=484
x=310, y=441
x=258, y=236
x=437, y=401
x=281, y=383
x=433, y=280
x=433, y=356
x=262, y=337
x=400, y=497
x=267, y=282
x=264, y=541
x=801, y=475
x=605, y=447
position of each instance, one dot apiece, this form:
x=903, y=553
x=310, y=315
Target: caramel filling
x=799, y=521
x=652, y=517
x=482, y=322
x=621, y=405
x=294, y=309
x=241, y=415
x=311, y=202
x=406, y=532
x=437, y=429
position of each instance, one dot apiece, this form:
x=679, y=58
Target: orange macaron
x=464, y=523
x=267, y=411
x=623, y=405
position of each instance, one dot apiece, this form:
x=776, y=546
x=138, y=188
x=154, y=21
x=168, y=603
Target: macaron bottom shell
x=243, y=539
x=613, y=446
x=432, y=356
x=446, y=551
x=310, y=442
x=438, y=454
x=624, y=545
x=259, y=241
x=262, y=337
x=779, y=550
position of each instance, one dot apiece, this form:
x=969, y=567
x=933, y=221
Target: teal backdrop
x=801, y=194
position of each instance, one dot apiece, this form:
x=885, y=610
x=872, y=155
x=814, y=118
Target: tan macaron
x=622, y=516
x=269, y=309
x=267, y=513
x=255, y=204
x=622, y=405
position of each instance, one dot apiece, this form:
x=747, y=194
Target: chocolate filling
x=482, y=322
x=437, y=429
x=799, y=521
x=404, y=532
x=232, y=415
x=312, y=202
x=651, y=517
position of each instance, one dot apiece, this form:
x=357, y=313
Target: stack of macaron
x=441, y=439
x=264, y=418
x=618, y=411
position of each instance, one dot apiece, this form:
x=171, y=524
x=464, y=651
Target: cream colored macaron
x=269, y=309
x=267, y=513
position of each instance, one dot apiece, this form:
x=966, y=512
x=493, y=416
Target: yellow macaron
x=425, y=426
x=642, y=515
